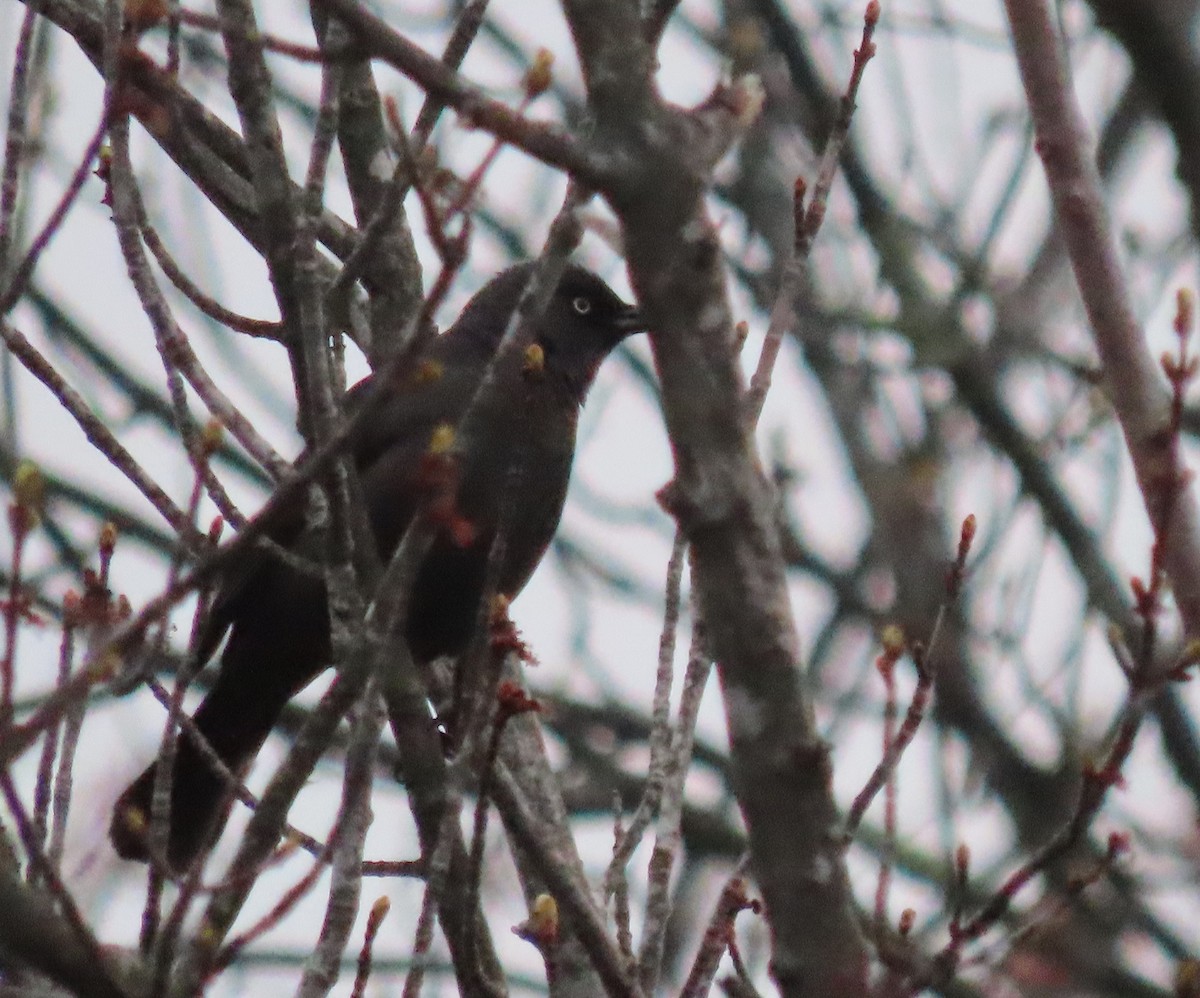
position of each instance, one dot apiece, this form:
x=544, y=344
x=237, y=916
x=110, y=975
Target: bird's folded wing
x=387, y=450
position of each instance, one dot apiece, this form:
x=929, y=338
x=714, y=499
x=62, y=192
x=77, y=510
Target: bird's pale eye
x=582, y=305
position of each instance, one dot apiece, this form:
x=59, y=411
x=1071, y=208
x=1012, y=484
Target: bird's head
x=582, y=323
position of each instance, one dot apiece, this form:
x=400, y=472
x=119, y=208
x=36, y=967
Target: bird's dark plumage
x=276, y=615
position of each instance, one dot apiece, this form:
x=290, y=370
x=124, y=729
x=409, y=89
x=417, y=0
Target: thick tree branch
x=1138, y=391
x=547, y=143
x=781, y=769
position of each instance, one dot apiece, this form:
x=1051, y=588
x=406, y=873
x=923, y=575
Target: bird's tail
x=198, y=795
x=235, y=719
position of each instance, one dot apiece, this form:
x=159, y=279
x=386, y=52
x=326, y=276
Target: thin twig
x=362, y=974
x=286, y=903
x=51, y=881
x=73, y=725
x=541, y=141
x=268, y=329
x=159, y=834
x=1146, y=679
x=808, y=223
x=923, y=658
x=15, y=137
x=719, y=934
x=18, y=738
x=264, y=829
x=886, y=667
x=616, y=886
x=354, y=818
x=669, y=837
x=422, y=941
x=96, y=430
x=273, y=43
x=661, y=730
x=20, y=274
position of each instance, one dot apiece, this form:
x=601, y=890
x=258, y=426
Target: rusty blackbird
x=276, y=613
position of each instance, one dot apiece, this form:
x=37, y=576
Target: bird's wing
x=284, y=528
x=387, y=451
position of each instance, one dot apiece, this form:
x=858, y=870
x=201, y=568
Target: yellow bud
x=72, y=606
x=207, y=935
x=1190, y=654
x=543, y=919
x=442, y=441
x=893, y=639
x=538, y=78
x=106, y=666
x=1185, y=305
x=29, y=492
x=535, y=359
x=210, y=438
x=134, y=820
x=427, y=372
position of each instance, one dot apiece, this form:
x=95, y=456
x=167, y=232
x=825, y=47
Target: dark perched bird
x=276, y=613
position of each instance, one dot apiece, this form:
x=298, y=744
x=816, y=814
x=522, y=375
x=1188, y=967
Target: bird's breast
x=516, y=478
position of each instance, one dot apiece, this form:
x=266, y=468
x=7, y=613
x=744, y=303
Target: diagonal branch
x=1139, y=394
x=724, y=504
x=545, y=142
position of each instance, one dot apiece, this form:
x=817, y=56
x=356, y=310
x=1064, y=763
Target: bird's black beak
x=630, y=321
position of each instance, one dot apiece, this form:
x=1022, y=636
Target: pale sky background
x=929, y=107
